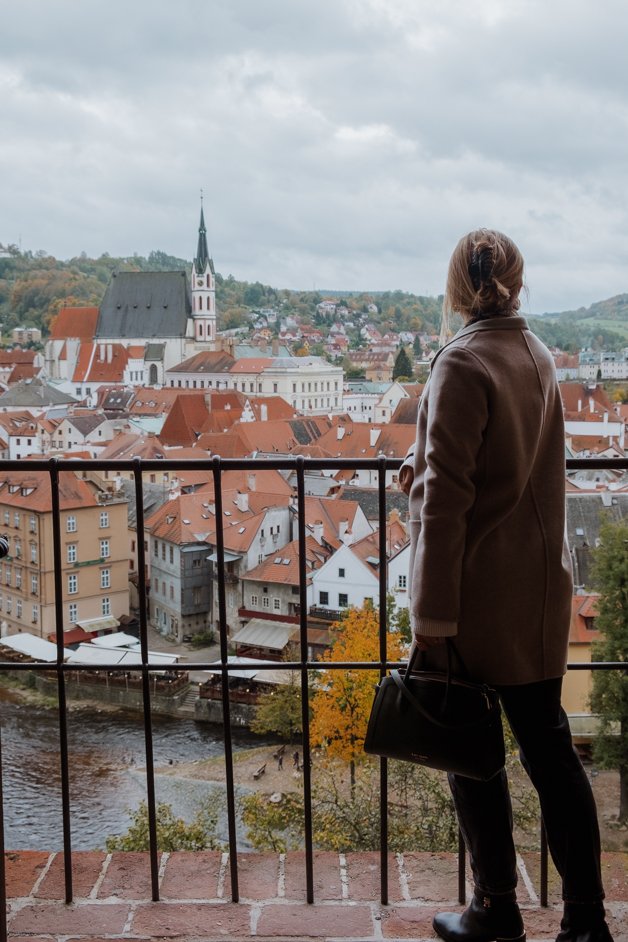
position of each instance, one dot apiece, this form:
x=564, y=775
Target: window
x=155, y=548
x=18, y=548
x=196, y=563
x=33, y=552
x=70, y=524
x=71, y=552
x=323, y=598
x=35, y=614
x=172, y=554
x=343, y=600
x=104, y=549
x=196, y=595
x=275, y=388
x=18, y=608
x=163, y=551
x=260, y=559
x=163, y=589
x=276, y=605
x=18, y=578
x=341, y=573
x=9, y=603
x=171, y=591
x=16, y=519
x=402, y=581
x=254, y=601
x=34, y=584
x=155, y=584
x=7, y=517
x=105, y=603
x=7, y=575
x=265, y=601
x=104, y=519
x=105, y=578
x=72, y=583
x=32, y=524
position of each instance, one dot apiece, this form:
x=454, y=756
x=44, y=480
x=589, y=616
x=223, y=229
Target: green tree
x=609, y=698
x=403, y=365
x=279, y=711
x=417, y=349
x=172, y=833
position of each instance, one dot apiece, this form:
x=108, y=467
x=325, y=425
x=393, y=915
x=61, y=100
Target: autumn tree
x=342, y=703
x=609, y=697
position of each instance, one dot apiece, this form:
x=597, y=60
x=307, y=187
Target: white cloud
x=343, y=143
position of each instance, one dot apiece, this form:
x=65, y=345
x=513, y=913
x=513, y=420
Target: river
x=107, y=755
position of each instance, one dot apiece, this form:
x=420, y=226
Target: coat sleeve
x=457, y=415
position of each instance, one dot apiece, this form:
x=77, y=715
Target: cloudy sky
x=339, y=143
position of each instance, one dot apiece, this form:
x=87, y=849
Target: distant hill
x=602, y=325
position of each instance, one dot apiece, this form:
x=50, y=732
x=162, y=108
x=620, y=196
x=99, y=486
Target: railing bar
x=3, y=874
x=544, y=863
x=224, y=655
x=462, y=868
x=383, y=611
x=43, y=666
x=146, y=712
x=305, y=704
x=55, y=506
x=270, y=463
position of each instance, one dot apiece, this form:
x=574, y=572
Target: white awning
x=94, y=656
x=105, y=623
x=31, y=645
x=265, y=634
x=229, y=557
x=118, y=639
x=277, y=676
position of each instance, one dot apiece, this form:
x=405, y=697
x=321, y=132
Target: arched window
x=152, y=375
x=200, y=330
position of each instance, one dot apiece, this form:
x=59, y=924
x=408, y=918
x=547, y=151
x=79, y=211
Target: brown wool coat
x=489, y=561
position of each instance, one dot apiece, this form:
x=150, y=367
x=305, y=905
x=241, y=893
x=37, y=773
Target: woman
x=490, y=568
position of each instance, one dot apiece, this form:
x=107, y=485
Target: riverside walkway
x=112, y=897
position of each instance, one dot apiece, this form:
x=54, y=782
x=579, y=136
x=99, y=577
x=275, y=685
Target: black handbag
x=438, y=720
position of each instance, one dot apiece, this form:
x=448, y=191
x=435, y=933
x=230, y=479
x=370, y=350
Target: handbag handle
x=403, y=685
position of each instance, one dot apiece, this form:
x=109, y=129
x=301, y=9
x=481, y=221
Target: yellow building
x=577, y=684
x=94, y=552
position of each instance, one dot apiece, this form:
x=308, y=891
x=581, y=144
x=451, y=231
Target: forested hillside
x=34, y=285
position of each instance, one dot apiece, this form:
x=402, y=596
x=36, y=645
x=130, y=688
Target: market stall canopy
x=33, y=646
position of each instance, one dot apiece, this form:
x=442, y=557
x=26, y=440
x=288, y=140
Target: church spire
x=202, y=259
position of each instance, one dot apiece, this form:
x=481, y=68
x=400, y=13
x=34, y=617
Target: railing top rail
x=286, y=462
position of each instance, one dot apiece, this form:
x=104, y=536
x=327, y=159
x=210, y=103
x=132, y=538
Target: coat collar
x=492, y=323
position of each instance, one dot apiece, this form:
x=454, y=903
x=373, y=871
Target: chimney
x=208, y=401
x=374, y=435
x=101, y=352
x=579, y=405
x=109, y=352
x=250, y=480
x=344, y=533
x=275, y=347
x=263, y=412
x=591, y=404
x=317, y=531
x=242, y=501
x=605, y=418
x=340, y=433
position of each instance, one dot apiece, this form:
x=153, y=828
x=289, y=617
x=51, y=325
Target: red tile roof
x=583, y=607
x=74, y=322
x=31, y=490
x=283, y=566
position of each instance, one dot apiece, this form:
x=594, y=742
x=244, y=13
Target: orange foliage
x=342, y=704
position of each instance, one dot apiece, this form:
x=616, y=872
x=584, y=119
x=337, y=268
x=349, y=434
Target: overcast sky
x=339, y=143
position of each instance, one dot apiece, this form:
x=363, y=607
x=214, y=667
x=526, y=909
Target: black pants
x=484, y=811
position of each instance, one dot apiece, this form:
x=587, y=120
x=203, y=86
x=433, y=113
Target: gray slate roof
x=368, y=499
x=145, y=304
x=154, y=496
x=35, y=393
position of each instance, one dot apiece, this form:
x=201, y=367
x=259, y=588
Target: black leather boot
x=486, y=919
x=584, y=922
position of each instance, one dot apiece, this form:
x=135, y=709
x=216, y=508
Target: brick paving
x=112, y=897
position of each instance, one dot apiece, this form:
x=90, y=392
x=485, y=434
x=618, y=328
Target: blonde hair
x=485, y=277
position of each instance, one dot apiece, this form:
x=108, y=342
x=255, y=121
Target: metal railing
x=54, y=467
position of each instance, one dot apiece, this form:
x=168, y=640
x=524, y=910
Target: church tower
x=203, y=289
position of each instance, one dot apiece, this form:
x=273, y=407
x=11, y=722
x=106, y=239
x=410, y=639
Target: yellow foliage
x=342, y=704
